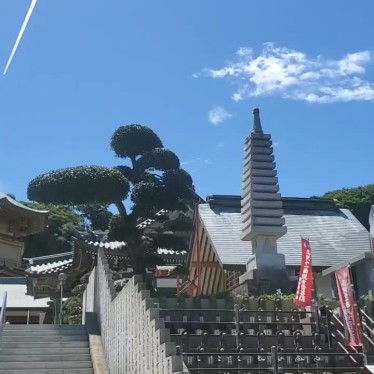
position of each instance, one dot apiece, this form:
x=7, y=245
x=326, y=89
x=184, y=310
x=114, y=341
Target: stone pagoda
x=262, y=213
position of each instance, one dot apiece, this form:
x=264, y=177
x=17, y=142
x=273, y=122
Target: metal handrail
x=366, y=316
x=2, y=315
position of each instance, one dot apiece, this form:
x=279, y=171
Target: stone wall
x=134, y=337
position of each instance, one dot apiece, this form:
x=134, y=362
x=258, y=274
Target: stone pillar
x=262, y=213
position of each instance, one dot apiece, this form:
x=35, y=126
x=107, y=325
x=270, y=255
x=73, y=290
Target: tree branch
x=133, y=161
x=121, y=209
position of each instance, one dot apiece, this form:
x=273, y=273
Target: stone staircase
x=45, y=349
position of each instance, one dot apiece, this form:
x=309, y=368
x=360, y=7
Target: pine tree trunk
x=121, y=209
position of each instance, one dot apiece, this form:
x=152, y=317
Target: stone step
x=68, y=332
x=45, y=351
x=43, y=358
x=42, y=338
x=43, y=327
x=22, y=365
x=47, y=371
x=44, y=345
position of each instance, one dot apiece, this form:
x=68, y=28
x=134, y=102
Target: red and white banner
x=348, y=307
x=304, y=293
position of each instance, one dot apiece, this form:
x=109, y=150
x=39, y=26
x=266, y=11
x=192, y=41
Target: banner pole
x=314, y=292
x=364, y=350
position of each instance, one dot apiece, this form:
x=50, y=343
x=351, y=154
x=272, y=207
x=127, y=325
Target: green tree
x=63, y=222
x=72, y=307
x=98, y=215
x=151, y=181
x=358, y=200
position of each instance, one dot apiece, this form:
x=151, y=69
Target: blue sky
x=193, y=71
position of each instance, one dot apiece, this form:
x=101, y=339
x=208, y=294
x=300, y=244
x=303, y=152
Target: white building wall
x=324, y=286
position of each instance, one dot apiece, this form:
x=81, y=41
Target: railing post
x=274, y=359
x=316, y=316
x=3, y=315
x=328, y=332
x=237, y=323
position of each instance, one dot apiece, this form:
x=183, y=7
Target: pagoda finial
x=257, y=129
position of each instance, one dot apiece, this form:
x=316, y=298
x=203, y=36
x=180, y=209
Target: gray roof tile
x=50, y=267
x=335, y=235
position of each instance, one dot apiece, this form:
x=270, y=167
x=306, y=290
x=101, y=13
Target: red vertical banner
x=348, y=307
x=304, y=293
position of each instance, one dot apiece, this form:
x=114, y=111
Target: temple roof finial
x=257, y=129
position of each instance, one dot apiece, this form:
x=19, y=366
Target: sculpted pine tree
x=150, y=185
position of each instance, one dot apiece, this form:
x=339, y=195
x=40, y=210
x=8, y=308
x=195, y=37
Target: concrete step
x=44, y=327
x=48, y=371
x=44, y=345
x=43, y=358
x=42, y=338
x=45, y=351
x=46, y=365
x=65, y=332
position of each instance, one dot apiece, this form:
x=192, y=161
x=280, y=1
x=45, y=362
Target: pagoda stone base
x=259, y=283
x=266, y=274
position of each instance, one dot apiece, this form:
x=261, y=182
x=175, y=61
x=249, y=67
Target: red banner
x=348, y=307
x=304, y=293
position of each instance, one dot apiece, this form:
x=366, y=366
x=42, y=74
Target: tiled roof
x=335, y=234
x=8, y=202
x=62, y=261
x=50, y=267
x=108, y=245
x=162, y=251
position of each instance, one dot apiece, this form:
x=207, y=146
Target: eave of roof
x=352, y=261
x=9, y=203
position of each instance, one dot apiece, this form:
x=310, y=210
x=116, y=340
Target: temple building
x=22, y=308
x=42, y=272
x=253, y=241
x=16, y=222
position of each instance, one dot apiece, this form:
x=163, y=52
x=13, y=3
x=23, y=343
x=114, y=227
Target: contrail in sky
x=20, y=34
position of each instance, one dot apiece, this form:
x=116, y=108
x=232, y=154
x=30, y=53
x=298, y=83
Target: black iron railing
x=248, y=341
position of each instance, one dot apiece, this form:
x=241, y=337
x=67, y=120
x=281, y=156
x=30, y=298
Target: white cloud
x=294, y=75
x=205, y=161
x=217, y=115
x=275, y=144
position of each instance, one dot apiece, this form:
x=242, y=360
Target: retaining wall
x=134, y=338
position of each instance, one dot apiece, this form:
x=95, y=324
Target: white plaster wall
x=324, y=286
x=134, y=337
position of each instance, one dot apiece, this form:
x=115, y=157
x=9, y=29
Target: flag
x=304, y=293
x=348, y=307
x=371, y=223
